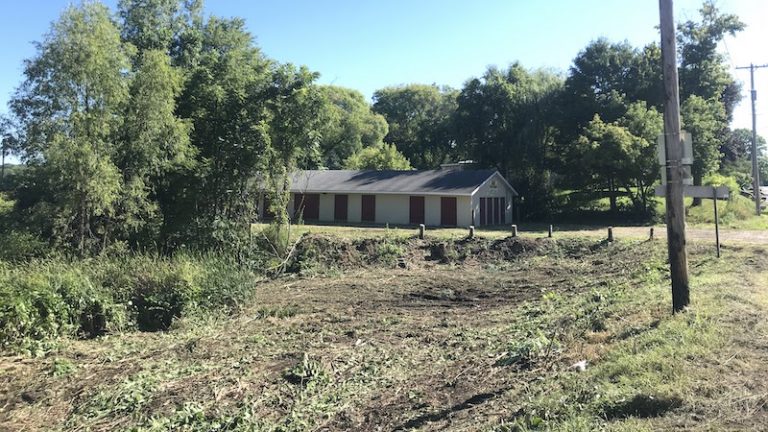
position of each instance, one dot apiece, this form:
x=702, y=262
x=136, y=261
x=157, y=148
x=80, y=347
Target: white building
x=444, y=197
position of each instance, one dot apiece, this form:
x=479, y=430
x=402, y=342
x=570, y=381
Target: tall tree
x=348, y=126
x=251, y=117
x=382, y=156
x=703, y=69
x=149, y=24
x=70, y=106
x=705, y=120
x=154, y=141
x=504, y=120
x=605, y=79
x=8, y=142
x=420, y=119
x=622, y=154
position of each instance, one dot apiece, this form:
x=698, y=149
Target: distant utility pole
x=755, y=168
x=678, y=259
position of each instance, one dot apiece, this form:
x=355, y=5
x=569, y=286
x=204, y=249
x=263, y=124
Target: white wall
x=394, y=209
x=464, y=208
x=487, y=191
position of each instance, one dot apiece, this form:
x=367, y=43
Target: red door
x=417, y=210
x=340, y=208
x=307, y=206
x=369, y=208
x=448, y=211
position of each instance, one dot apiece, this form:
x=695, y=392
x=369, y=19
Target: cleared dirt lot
x=479, y=344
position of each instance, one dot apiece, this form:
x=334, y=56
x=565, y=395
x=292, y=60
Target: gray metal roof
x=431, y=182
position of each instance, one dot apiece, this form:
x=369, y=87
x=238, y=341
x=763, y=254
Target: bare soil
x=387, y=348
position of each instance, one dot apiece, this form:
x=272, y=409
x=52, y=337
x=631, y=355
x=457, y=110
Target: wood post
x=514, y=230
x=678, y=257
x=610, y=234
x=650, y=237
x=717, y=222
x=471, y=231
x=550, y=231
x=421, y=231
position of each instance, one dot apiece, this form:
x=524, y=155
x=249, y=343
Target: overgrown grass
x=50, y=298
x=738, y=213
x=648, y=367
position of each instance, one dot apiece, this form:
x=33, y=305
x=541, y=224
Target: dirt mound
x=322, y=252
x=328, y=252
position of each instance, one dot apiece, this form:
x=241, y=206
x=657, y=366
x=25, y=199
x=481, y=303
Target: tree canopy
x=381, y=156
x=159, y=126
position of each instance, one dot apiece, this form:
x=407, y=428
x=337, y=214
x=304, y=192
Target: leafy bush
x=388, y=253
x=737, y=208
x=721, y=180
x=19, y=246
x=46, y=299
x=526, y=352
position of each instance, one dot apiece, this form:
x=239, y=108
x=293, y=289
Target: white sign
x=721, y=192
x=687, y=141
x=687, y=161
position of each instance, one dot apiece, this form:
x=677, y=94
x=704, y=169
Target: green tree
x=294, y=131
x=154, y=141
x=70, y=107
x=382, y=156
x=705, y=82
x=703, y=69
x=8, y=143
x=505, y=120
x=605, y=79
x=622, y=154
x=348, y=125
x=705, y=120
x=736, y=154
x=739, y=145
x=420, y=119
x=149, y=24
x=252, y=118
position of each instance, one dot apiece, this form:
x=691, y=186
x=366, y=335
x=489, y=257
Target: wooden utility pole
x=678, y=259
x=755, y=168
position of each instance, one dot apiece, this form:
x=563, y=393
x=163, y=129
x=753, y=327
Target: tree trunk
x=2, y=167
x=697, y=180
x=612, y=196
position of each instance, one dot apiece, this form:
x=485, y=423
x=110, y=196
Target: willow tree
x=70, y=106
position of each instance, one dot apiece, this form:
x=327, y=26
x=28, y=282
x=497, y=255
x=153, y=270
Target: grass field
x=484, y=340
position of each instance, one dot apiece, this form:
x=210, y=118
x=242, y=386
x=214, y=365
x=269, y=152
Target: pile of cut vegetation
x=319, y=253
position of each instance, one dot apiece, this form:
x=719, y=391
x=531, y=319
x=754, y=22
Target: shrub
x=21, y=246
x=388, y=253
x=46, y=299
x=526, y=352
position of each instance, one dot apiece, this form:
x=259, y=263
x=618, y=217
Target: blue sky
x=367, y=45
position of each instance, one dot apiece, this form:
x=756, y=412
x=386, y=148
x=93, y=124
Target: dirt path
x=696, y=234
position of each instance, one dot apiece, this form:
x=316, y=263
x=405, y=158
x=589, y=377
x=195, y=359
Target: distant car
x=747, y=192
